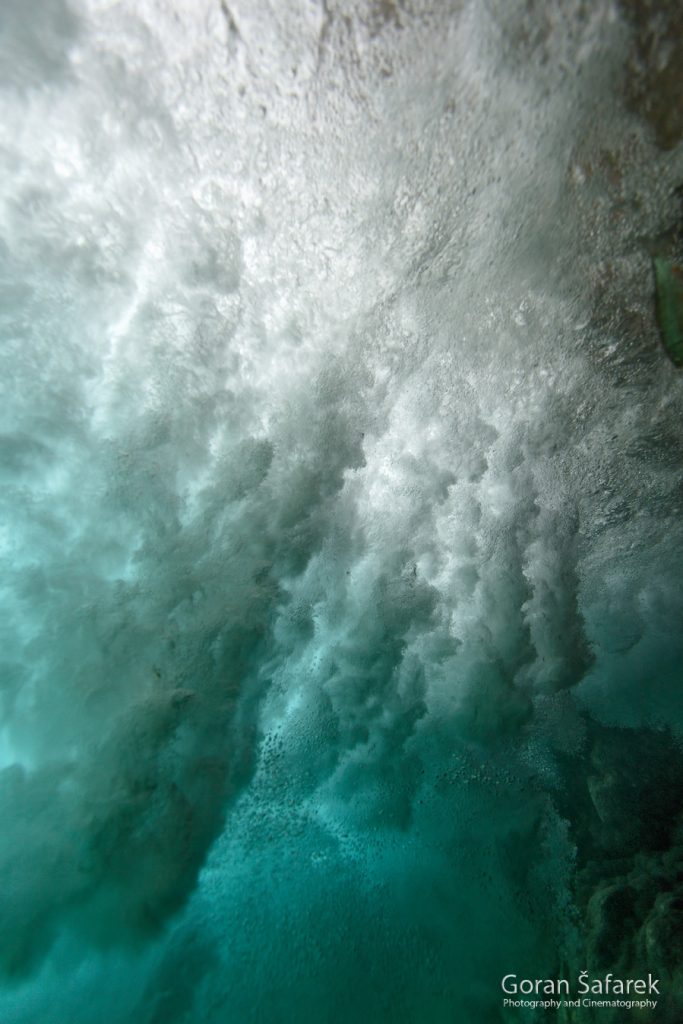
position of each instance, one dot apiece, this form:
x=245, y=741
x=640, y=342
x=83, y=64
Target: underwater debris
x=669, y=297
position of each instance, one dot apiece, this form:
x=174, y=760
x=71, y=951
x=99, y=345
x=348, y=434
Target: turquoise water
x=341, y=537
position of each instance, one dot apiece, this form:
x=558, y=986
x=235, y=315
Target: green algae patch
x=669, y=293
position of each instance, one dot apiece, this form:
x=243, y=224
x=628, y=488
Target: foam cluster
x=341, y=530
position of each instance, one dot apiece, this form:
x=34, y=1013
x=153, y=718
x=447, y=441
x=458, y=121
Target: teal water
x=341, y=489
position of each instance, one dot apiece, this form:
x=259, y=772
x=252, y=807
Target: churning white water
x=341, y=500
